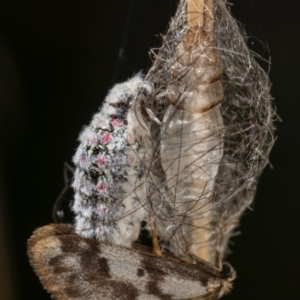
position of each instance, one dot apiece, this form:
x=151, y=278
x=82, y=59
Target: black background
x=58, y=59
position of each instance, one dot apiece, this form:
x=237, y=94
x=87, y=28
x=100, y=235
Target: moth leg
x=156, y=248
x=68, y=169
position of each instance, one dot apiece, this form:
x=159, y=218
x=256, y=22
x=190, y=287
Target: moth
x=177, y=153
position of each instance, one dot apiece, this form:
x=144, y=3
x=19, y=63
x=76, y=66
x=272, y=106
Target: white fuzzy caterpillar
x=111, y=165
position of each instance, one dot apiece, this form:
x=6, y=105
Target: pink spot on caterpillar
x=102, y=187
x=116, y=123
x=105, y=137
x=101, y=161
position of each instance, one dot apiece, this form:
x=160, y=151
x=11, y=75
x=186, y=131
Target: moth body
x=217, y=128
x=192, y=140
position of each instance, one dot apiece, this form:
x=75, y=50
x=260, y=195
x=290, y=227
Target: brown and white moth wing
x=73, y=267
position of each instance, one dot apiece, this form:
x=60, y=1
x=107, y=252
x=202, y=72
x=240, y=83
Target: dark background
x=58, y=59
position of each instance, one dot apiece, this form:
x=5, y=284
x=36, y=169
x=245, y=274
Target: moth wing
x=77, y=268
